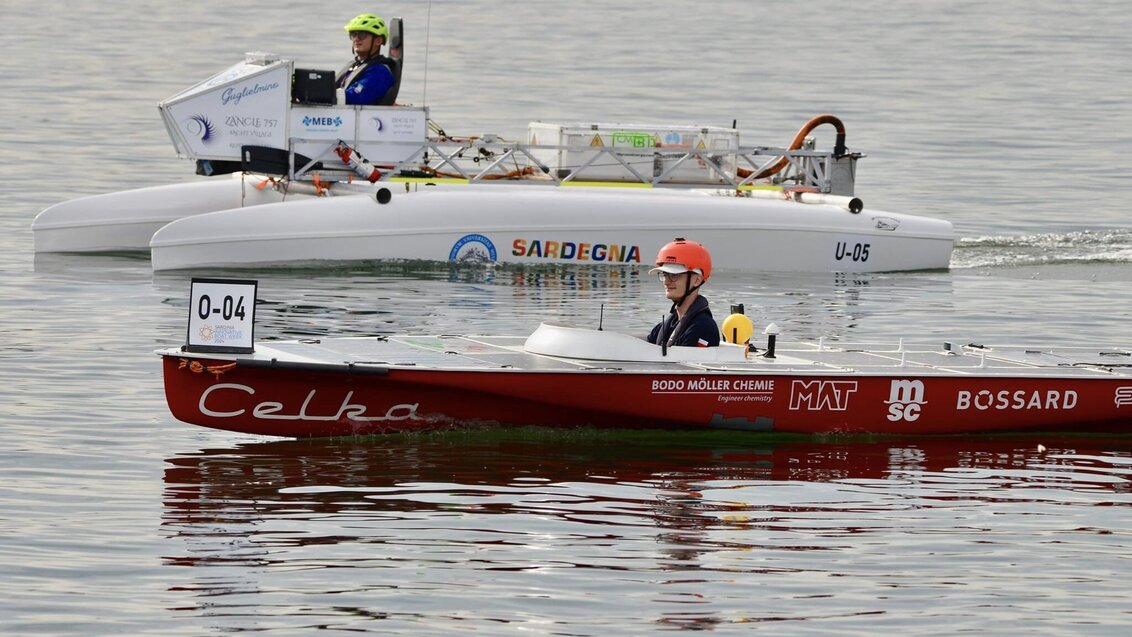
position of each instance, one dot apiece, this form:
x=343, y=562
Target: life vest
x=346, y=77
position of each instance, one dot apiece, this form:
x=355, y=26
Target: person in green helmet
x=369, y=78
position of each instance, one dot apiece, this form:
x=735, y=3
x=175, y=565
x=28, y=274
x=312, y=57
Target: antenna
x=428, y=31
x=600, y=316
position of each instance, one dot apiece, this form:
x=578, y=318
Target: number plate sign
x=221, y=316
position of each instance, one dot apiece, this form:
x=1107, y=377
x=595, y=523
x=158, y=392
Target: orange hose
x=514, y=174
x=838, y=146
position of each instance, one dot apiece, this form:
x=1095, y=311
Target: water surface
x=1008, y=119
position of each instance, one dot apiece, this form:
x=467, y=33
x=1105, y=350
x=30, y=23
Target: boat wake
x=1074, y=248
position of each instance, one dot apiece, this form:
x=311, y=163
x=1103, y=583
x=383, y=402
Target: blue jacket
x=367, y=83
x=696, y=326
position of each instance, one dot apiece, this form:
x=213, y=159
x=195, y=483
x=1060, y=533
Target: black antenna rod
x=600, y=316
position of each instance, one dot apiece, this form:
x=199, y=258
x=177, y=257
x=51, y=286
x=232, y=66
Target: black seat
x=396, y=59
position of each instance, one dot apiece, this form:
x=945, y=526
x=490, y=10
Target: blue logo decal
x=377, y=124
x=672, y=138
x=470, y=249
x=201, y=126
x=322, y=121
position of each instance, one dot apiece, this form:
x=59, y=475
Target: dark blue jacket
x=696, y=326
x=368, y=84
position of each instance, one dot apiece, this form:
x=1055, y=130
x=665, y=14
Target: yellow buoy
x=737, y=328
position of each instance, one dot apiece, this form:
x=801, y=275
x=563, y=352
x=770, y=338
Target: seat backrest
x=396, y=53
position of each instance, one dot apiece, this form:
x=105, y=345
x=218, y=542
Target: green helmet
x=369, y=23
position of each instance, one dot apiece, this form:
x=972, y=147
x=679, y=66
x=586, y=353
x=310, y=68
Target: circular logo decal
x=473, y=248
x=199, y=125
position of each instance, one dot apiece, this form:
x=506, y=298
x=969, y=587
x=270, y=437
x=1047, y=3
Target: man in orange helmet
x=684, y=266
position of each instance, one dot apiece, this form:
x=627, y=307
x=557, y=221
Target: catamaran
x=313, y=181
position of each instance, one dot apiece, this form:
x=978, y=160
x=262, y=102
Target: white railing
x=485, y=160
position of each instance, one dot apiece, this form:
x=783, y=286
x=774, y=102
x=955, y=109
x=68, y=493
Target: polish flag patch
x=701, y=342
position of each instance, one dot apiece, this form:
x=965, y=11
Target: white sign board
x=246, y=104
x=392, y=133
x=221, y=316
x=379, y=133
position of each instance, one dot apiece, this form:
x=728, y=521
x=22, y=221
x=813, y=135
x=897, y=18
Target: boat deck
x=468, y=353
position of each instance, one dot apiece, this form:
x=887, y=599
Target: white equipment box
x=614, y=152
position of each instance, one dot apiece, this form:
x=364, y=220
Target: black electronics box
x=271, y=161
x=311, y=86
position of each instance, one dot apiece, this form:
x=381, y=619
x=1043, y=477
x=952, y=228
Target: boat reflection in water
x=687, y=528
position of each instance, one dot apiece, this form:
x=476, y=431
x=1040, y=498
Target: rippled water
x=1009, y=119
x=629, y=534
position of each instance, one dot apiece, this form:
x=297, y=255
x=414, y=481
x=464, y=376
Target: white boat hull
x=531, y=225
x=125, y=221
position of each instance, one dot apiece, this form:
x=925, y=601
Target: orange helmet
x=682, y=255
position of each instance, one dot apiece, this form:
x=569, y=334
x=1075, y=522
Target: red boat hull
x=312, y=402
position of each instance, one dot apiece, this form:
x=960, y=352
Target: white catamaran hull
x=546, y=225
x=125, y=221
